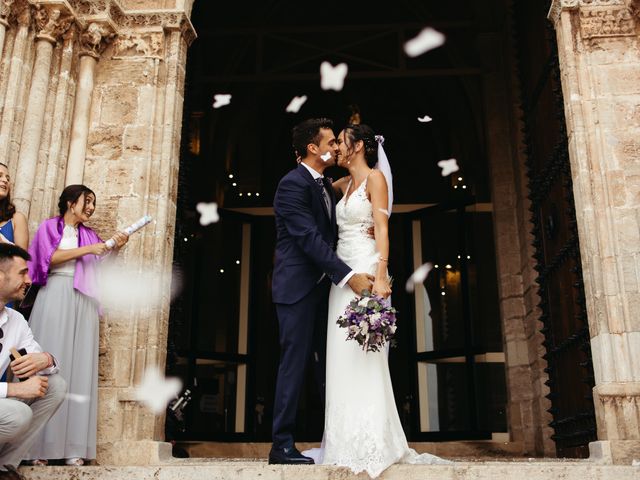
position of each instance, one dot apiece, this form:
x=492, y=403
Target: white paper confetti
x=448, y=166
x=221, y=99
x=208, y=213
x=332, y=78
x=426, y=40
x=635, y=463
x=326, y=156
x=155, y=391
x=418, y=276
x=425, y=119
x=128, y=287
x=296, y=103
x=74, y=397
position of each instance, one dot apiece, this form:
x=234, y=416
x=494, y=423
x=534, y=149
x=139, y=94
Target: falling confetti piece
x=425, y=119
x=635, y=463
x=332, y=78
x=385, y=211
x=418, y=276
x=155, y=391
x=448, y=166
x=126, y=287
x=326, y=157
x=221, y=99
x=296, y=103
x=74, y=397
x=427, y=39
x=208, y=213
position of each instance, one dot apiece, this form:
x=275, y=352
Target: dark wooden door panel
x=556, y=242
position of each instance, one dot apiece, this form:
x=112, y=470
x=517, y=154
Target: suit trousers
x=22, y=420
x=303, y=335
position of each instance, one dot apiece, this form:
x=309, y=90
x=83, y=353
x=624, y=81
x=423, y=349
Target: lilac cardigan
x=46, y=241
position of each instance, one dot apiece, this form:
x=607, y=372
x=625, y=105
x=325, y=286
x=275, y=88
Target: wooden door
x=556, y=242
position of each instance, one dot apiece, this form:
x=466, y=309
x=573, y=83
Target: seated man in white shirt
x=25, y=405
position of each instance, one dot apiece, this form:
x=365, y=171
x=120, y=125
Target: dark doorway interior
x=235, y=155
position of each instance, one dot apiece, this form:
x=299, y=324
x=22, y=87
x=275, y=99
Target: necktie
x=325, y=197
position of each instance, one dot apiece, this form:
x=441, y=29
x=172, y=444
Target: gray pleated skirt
x=65, y=323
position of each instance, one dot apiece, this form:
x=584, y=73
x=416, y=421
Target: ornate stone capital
x=5, y=11
x=597, y=18
x=21, y=13
x=52, y=21
x=95, y=38
x=171, y=20
x=558, y=6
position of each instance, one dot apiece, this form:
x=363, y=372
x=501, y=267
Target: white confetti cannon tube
x=134, y=227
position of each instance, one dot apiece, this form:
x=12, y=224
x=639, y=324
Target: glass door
x=459, y=359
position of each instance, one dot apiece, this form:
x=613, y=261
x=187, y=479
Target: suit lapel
x=309, y=178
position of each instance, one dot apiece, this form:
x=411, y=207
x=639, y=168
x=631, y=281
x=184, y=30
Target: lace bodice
x=355, y=219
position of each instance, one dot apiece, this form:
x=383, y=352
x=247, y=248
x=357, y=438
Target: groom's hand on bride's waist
x=360, y=282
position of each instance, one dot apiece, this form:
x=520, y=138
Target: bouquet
x=370, y=320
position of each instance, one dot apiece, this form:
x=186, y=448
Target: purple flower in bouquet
x=370, y=320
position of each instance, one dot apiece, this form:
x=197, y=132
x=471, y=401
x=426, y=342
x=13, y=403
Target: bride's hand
x=382, y=288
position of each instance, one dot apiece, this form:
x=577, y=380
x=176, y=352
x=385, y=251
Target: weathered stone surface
x=201, y=469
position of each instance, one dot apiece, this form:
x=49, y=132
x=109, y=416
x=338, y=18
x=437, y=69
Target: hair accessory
x=380, y=139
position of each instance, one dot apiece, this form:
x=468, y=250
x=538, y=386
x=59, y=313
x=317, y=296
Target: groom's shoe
x=288, y=456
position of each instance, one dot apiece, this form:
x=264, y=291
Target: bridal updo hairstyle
x=308, y=132
x=71, y=194
x=356, y=132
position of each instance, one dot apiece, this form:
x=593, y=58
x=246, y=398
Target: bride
x=362, y=428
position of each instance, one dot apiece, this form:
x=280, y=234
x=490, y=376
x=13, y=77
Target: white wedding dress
x=362, y=428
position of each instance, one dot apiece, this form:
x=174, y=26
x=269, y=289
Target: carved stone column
x=600, y=65
x=5, y=10
x=51, y=22
x=21, y=15
x=131, y=162
x=93, y=41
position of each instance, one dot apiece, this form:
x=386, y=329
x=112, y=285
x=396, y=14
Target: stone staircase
x=244, y=469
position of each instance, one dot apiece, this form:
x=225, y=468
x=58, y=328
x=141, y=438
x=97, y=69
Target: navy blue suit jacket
x=306, y=237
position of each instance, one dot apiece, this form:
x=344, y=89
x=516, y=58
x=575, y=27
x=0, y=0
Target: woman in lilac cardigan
x=64, y=260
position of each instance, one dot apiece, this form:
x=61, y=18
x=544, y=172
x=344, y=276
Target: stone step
x=204, y=469
x=471, y=449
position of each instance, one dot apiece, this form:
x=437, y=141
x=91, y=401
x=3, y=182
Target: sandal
x=40, y=462
x=75, y=461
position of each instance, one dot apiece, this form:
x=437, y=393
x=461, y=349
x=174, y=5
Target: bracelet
x=383, y=259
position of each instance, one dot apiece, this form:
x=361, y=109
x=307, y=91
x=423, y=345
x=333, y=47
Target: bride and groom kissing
x=314, y=279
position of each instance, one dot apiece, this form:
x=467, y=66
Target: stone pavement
x=244, y=469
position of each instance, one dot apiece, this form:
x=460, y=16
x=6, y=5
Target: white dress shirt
x=17, y=334
x=315, y=175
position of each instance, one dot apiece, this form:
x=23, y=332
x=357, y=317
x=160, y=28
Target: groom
x=305, y=266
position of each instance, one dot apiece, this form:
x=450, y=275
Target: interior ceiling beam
x=362, y=75
x=269, y=29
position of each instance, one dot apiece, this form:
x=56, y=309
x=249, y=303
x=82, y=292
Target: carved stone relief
x=140, y=44
x=557, y=6
x=606, y=23
x=5, y=8
x=21, y=13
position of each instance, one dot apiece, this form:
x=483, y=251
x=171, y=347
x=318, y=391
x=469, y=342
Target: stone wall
x=92, y=92
x=600, y=65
